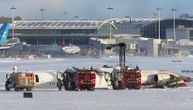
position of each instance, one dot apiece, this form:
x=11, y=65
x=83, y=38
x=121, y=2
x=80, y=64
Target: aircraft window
x=52, y=83
x=37, y=78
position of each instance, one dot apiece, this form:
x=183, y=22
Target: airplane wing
x=4, y=47
x=4, y=33
x=180, y=81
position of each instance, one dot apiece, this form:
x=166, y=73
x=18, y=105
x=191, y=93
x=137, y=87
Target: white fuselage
x=103, y=79
x=71, y=49
x=148, y=77
x=46, y=80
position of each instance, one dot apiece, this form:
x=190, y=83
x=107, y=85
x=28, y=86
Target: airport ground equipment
x=121, y=53
x=86, y=79
x=77, y=79
x=20, y=81
x=27, y=95
x=124, y=77
x=66, y=79
x=69, y=79
x=132, y=79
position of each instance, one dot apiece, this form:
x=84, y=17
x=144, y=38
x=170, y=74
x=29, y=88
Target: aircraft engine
x=162, y=78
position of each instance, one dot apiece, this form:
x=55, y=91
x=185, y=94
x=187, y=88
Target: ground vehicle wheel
x=6, y=87
x=29, y=89
x=59, y=85
x=60, y=88
x=117, y=85
x=16, y=89
x=66, y=88
x=73, y=85
x=91, y=89
x=21, y=89
x=120, y=85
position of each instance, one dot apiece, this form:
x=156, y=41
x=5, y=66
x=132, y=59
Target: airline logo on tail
x=4, y=33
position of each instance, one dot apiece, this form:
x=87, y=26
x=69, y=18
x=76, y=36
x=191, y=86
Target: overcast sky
x=93, y=9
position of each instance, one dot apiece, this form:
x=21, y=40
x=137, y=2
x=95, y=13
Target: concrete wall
x=153, y=47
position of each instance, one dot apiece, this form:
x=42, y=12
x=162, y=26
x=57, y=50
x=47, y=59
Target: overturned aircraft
x=149, y=78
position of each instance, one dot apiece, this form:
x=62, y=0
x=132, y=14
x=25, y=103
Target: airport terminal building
x=151, y=29
x=48, y=32
x=77, y=32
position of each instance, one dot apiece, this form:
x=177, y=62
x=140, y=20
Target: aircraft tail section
x=4, y=33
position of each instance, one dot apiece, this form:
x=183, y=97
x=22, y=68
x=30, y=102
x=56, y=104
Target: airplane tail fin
x=4, y=32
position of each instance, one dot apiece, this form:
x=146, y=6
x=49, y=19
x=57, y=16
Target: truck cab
x=20, y=81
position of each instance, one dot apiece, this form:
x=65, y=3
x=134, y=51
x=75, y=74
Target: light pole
x=155, y=16
x=110, y=8
x=174, y=16
x=42, y=10
x=12, y=18
x=158, y=12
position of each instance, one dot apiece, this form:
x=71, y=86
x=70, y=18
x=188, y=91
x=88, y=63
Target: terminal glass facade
x=54, y=32
x=150, y=30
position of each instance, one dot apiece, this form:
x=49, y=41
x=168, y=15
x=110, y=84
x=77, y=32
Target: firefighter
x=15, y=69
x=59, y=84
x=59, y=81
x=137, y=68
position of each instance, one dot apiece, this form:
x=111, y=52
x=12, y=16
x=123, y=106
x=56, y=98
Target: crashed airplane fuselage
x=149, y=79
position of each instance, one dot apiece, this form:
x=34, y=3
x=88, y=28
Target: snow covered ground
x=145, y=99
x=153, y=99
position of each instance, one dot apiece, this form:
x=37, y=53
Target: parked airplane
x=71, y=49
x=3, y=35
x=4, y=43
